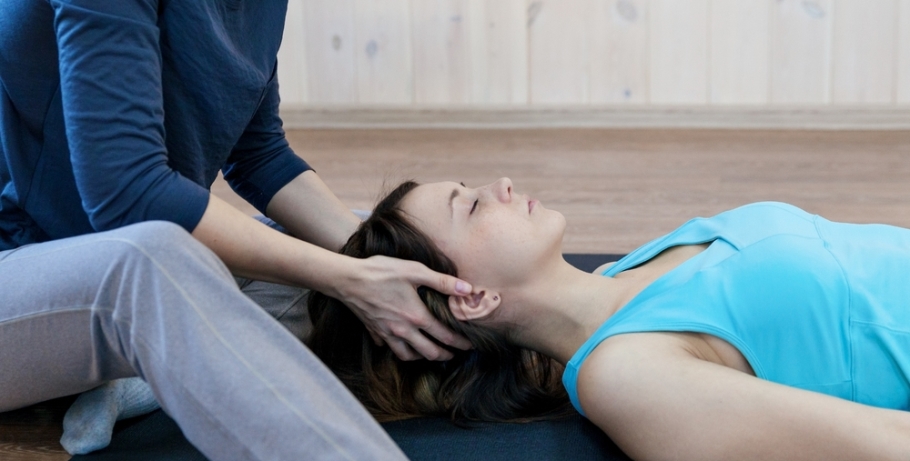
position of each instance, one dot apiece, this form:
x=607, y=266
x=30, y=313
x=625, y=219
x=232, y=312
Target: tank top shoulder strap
x=738, y=227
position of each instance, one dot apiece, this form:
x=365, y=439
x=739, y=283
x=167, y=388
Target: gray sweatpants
x=148, y=300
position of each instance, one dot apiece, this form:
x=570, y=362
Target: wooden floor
x=620, y=188
x=617, y=189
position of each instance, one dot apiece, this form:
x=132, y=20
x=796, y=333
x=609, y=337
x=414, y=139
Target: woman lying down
x=761, y=333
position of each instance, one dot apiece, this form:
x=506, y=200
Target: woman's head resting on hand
x=490, y=236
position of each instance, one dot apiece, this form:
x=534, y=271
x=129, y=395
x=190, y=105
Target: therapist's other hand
x=382, y=292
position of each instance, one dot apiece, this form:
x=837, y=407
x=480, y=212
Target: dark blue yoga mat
x=156, y=437
x=589, y=262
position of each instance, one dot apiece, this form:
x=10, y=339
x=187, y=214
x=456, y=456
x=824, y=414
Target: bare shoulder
x=618, y=363
x=619, y=381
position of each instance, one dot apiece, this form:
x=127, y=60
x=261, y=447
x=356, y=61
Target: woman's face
x=494, y=235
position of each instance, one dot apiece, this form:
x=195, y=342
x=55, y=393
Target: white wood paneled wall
x=575, y=52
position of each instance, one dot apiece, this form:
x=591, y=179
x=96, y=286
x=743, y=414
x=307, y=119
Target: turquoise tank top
x=810, y=303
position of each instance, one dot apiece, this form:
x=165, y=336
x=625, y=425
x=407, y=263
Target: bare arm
x=310, y=211
x=658, y=401
x=252, y=250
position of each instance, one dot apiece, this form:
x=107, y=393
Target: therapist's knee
x=154, y=234
x=165, y=242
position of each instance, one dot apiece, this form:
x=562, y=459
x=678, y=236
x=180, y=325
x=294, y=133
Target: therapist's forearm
x=252, y=250
x=310, y=211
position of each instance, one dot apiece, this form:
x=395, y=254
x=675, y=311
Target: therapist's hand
x=382, y=292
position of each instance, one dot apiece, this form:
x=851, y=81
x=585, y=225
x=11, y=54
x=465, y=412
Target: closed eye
x=474, y=207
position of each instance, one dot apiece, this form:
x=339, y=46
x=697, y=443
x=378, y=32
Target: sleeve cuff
x=259, y=186
x=181, y=201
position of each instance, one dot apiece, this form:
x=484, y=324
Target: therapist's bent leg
x=286, y=304
x=149, y=300
x=89, y=423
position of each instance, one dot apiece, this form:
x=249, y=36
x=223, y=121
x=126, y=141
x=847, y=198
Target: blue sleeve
x=110, y=83
x=262, y=162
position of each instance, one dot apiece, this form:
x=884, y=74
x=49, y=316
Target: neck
x=563, y=309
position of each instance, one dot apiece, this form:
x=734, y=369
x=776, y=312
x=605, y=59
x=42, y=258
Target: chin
x=557, y=229
x=559, y=224
x=562, y=220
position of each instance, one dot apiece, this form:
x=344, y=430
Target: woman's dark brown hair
x=495, y=381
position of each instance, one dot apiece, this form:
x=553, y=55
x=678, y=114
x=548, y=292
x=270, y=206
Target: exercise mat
x=156, y=437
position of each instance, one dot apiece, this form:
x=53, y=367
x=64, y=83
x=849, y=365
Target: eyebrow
x=454, y=194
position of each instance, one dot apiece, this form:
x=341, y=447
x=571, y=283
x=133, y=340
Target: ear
x=479, y=304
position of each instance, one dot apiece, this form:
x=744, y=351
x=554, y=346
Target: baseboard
x=885, y=117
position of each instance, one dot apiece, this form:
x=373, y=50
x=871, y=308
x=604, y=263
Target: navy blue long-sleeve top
x=117, y=112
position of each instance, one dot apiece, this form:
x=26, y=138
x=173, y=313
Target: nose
x=503, y=189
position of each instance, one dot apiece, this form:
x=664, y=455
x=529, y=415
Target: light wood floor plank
x=619, y=188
